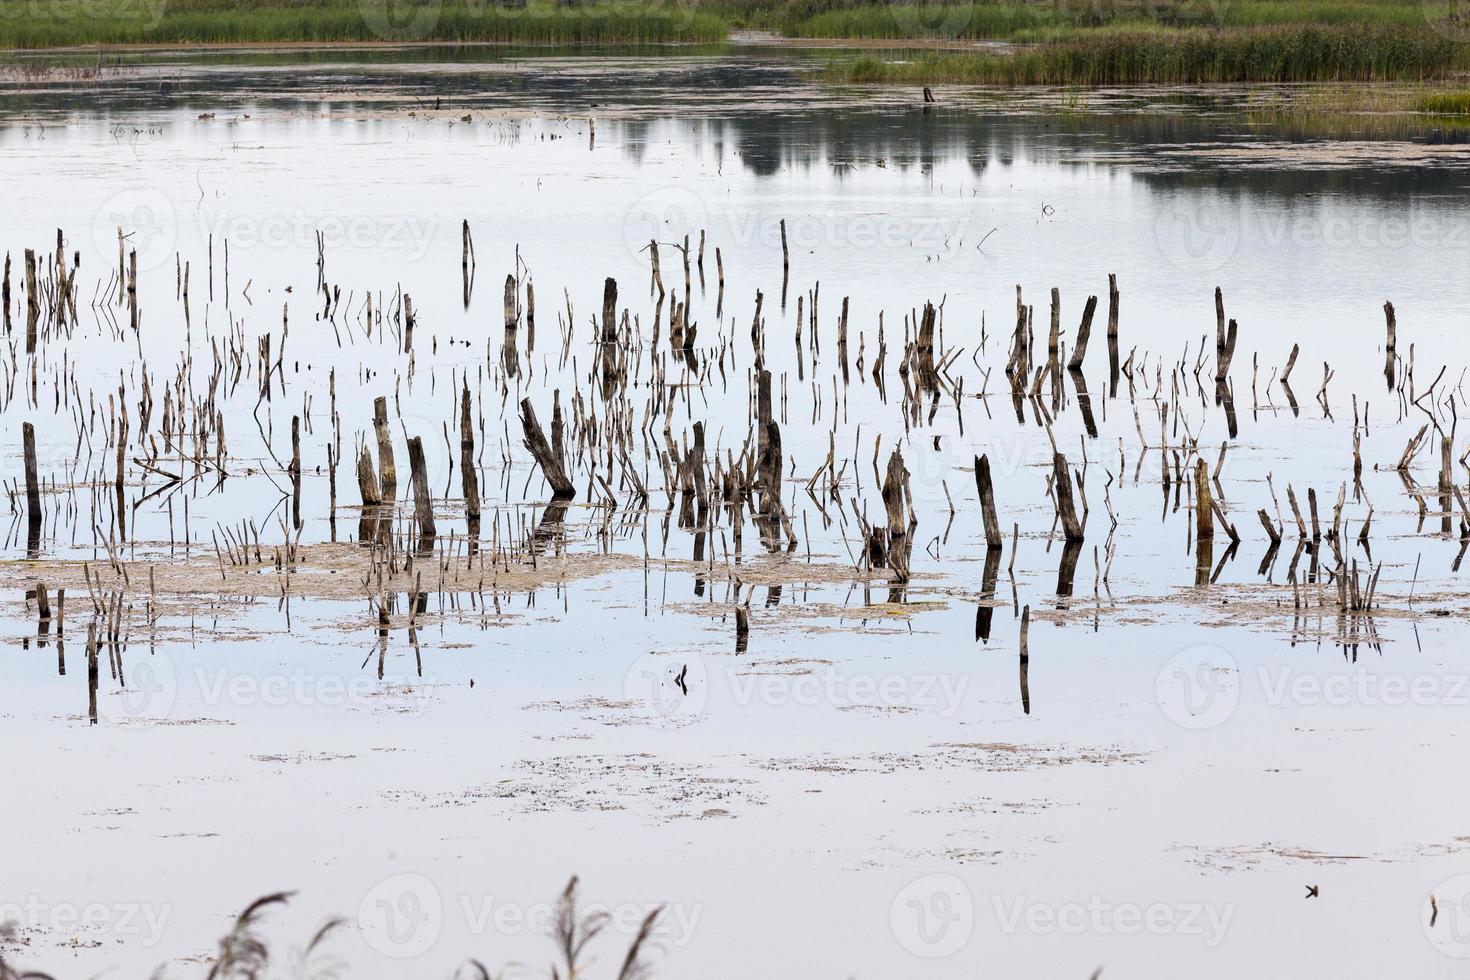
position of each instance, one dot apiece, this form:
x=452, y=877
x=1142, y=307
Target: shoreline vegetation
x=1189, y=56
x=1059, y=42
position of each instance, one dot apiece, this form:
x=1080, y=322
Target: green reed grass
x=64, y=23
x=1445, y=103
x=1031, y=20
x=1117, y=57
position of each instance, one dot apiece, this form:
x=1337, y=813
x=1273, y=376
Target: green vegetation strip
x=66, y=23
x=1113, y=57
x=1446, y=103
x=1019, y=21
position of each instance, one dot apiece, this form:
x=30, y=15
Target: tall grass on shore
x=1127, y=57
x=1028, y=20
x=1445, y=103
x=68, y=23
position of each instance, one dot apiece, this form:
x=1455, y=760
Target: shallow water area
x=873, y=782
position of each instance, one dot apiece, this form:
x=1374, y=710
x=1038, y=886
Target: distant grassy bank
x=1036, y=20
x=67, y=23
x=1111, y=56
x=1054, y=42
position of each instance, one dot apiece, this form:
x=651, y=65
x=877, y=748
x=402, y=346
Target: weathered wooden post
x=423, y=503
x=548, y=459
x=469, y=479
x=33, y=491
x=1062, y=484
x=1084, y=331
x=389, y=484
x=986, y=490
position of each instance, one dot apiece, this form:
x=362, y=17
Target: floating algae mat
x=1002, y=543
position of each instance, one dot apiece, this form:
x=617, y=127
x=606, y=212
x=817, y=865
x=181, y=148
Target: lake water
x=871, y=787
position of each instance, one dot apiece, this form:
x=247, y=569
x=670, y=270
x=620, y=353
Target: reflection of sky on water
x=886, y=206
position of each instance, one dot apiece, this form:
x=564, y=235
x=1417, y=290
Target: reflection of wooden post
x=993, y=539
x=546, y=457
x=418, y=474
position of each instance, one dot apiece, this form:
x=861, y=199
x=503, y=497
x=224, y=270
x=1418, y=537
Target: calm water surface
x=868, y=791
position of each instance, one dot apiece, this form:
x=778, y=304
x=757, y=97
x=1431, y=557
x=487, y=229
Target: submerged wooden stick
x=1071, y=527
